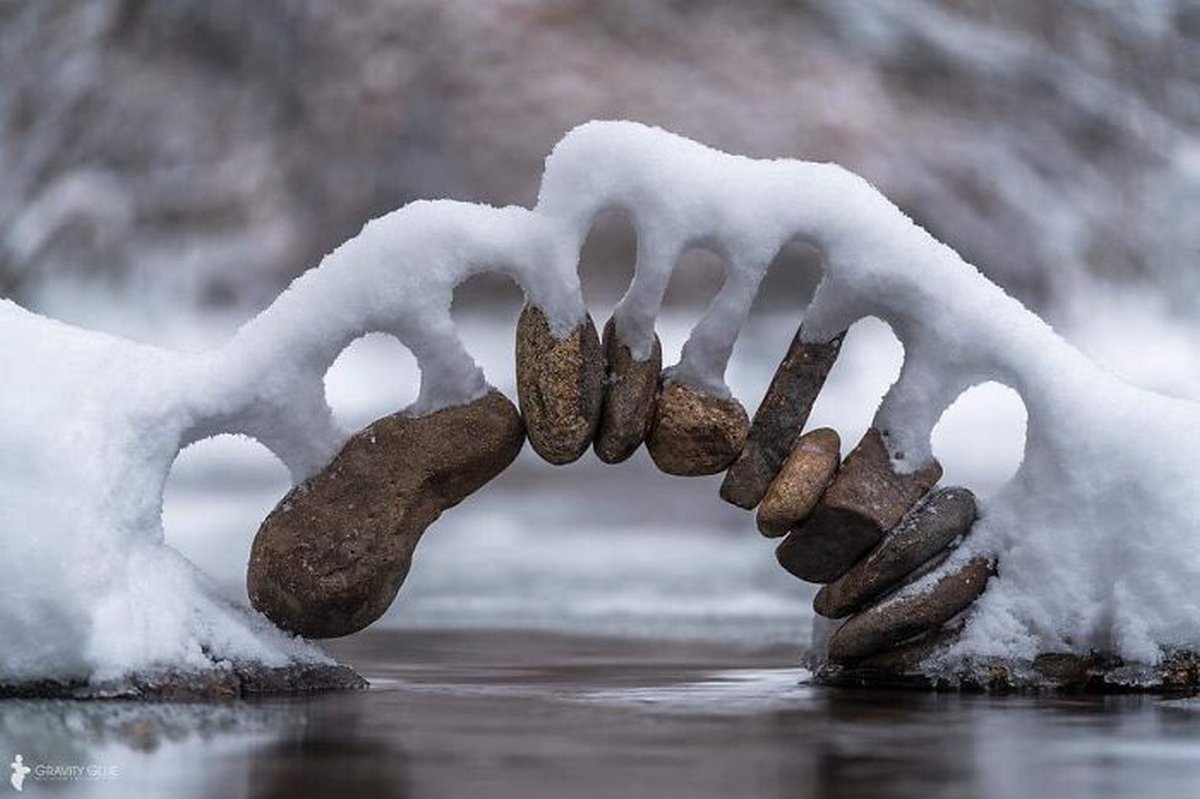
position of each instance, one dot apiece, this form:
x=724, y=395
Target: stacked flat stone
x=872, y=534
x=801, y=482
x=866, y=528
x=780, y=419
x=866, y=499
x=925, y=533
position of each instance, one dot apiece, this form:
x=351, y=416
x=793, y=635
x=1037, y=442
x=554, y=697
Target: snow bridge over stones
x=1049, y=567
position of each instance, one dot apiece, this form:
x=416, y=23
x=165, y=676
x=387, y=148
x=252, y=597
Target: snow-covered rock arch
x=1095, y=534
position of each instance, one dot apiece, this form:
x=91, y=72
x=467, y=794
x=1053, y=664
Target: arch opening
x=868, y=365
x=980, y=438
x=374, y=376
x=216, y=495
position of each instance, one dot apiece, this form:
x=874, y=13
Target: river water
x=525, y=715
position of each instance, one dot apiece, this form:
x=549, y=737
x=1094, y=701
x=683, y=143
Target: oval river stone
x=559, y=385
x=331, y=556
x=694, y=432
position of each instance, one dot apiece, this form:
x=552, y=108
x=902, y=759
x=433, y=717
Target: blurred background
x=167, y=167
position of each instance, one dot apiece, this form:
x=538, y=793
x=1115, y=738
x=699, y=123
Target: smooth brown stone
x=924, y=532
x=331, y=556
x=559, y=386
x=898, y=667
x=866, y=499
x=908, y=656
x=695, y=433
x=905, y=616
x=805, y=475
x=630, y=391
x=780, y=419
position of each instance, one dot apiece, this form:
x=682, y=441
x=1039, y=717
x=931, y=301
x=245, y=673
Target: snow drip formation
x=1095, y=536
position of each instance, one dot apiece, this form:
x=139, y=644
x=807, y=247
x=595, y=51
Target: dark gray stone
x=898, y=667
x=780, y=419
x=907, y=615
x=867, y=498
x=925, y=531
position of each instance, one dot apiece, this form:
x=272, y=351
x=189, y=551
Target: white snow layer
x=1095, y=536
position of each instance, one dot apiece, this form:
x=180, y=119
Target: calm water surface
x=500, y=714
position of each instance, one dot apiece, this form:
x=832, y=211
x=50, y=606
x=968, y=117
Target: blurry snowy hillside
x=203, y=152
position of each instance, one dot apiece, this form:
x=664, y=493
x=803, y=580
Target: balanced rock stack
x=331, y=556
x=870, y=531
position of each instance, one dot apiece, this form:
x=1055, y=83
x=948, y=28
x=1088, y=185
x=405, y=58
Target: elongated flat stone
x=923, y=533
x=805, y=475
x=330, y=557
x=630, y=391
x=907, y=615
x=898, y=667
x=695, y=433
x=780, y=419
x=866, y=499
x=559, y=385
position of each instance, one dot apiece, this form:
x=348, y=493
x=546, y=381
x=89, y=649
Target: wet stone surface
x=630, y=392
x=805, y=475
x=866, y=499
x=331, y=556
x=695, y=433
x=929, y=528
x=560, y=386
x=780, y=419
x=909, y=613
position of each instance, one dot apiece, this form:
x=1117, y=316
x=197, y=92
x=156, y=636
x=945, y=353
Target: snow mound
x=1095, y=535
x=90, y=426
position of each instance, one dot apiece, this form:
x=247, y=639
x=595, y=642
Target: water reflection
x=525, y=715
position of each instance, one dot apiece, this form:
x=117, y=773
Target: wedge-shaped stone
x=694, y=432
x=924, y=532
x=630, y=391
x=331, y=556
x=907, y=614
x=805, y=475
x=559, y=385
x=780, y=419
x=866, y=499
